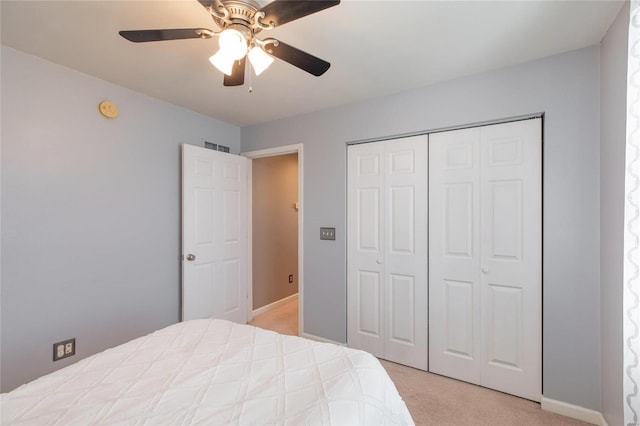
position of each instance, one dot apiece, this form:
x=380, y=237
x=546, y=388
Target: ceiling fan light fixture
x=222, y=61
x=259, y=59
x=233, y=43
x=239, y=22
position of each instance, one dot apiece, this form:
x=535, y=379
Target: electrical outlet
x=59, y=352
x=64, y=349
x=291, y=279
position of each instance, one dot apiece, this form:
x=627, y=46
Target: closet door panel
x=402, y=208
x=454, y=254
x=458, y=318
x=402, y=296
x=368, y=308
x=511, y=247
x=365, y=248
x=405, y=266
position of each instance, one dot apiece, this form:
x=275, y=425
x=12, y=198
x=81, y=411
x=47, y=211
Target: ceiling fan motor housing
x=241, y=17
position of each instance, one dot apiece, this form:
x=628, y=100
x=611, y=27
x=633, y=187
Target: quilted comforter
x=213, y=372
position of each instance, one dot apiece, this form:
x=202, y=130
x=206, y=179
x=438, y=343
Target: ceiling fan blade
x=207, y=3
x=237, y=74
x=282, y=11
x=298, y=58
x=216, y=4
x=139, y=36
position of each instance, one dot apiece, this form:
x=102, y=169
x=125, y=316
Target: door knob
x=485, y=270
x=191, y=257
x=379, y=262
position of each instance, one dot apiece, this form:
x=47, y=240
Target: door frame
x=270, y=152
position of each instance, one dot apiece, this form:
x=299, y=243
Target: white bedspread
x=213, y=372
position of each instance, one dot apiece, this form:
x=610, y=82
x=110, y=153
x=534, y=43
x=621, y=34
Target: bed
x=213, y=372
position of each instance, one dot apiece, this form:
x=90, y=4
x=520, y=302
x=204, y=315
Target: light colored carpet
x=438, y=400
x=283, y=319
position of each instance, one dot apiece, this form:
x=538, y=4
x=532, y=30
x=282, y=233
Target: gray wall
x=90, y=212
x=275, y=228
x=613, y=101
x=566, y=89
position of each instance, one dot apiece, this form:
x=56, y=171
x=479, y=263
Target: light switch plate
x=327, y=233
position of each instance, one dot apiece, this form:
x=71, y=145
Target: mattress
x=213, y=372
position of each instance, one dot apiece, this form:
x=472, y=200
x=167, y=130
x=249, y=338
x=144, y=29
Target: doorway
x=275, y=239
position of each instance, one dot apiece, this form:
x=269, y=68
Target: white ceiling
x=375, y=47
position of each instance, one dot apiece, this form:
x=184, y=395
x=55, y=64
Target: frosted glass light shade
x=259, y=59
x=223, y=62
x=233, y=43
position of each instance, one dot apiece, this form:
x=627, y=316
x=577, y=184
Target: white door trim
x=281, y=150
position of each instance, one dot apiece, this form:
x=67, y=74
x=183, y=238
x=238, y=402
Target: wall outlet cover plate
x=64, y=349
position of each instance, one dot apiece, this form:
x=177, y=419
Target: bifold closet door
x=485, y=256
x=454, y=254
x=387, y=250
x=365, y=247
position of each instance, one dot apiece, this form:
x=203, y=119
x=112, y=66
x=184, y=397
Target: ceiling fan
x=239, y=22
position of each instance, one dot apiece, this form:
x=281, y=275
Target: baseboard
x=573, y=411
x=273, y=305
x=321, y=339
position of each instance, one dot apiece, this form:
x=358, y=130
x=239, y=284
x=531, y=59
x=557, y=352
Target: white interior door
x=485, y=233
x=387, y=249
x=365, y=247
x=214, y=235
x=454, y=254
x=511, y=251
x=405, y=255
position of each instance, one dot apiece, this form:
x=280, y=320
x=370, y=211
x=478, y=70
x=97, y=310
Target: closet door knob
x=379, y=262
x=485, y=270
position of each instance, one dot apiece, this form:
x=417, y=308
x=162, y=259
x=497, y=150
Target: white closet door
x=454, y=254
x=365, y=247
x=405, y=260
x=485, y=256
x=387, y=250
x=511, y=248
